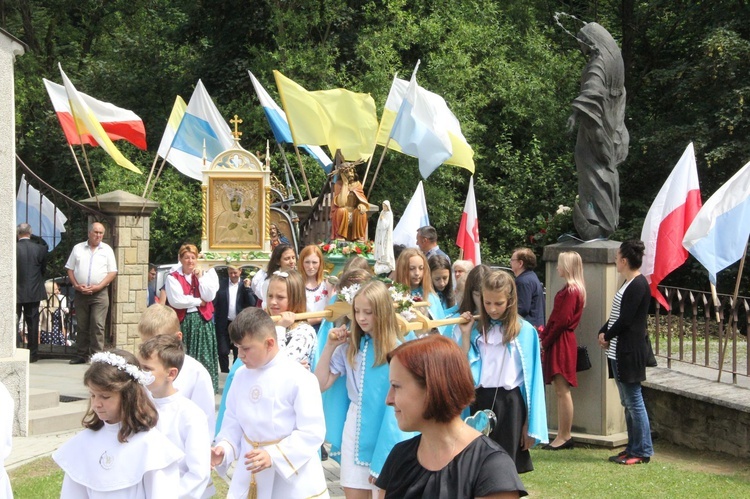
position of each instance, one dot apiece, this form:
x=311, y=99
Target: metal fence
x=696, y=331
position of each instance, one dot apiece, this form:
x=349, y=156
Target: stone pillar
x=130, y=241
x=14, y=363
x=598, y=416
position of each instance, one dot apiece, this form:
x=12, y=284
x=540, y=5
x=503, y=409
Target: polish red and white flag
x=118, y=123
x=468, y=231
x=669, y=217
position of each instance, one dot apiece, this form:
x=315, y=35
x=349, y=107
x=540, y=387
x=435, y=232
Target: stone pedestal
x=14, y=362
x=598, y=416
x=129, y=238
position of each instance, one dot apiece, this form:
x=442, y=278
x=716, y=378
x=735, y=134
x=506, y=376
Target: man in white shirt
x=91, y=267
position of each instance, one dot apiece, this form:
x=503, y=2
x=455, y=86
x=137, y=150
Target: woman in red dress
x=559, y=346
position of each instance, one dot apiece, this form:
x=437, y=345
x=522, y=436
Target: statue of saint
x=602, y=142
x=349, y=206
x=385, y=262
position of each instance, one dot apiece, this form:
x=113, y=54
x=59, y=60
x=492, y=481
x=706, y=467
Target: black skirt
x=510, y=409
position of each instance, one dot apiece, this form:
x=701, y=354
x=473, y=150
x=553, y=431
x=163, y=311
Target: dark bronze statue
x=602, y=142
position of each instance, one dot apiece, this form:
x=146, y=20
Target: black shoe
x=620, y=455
x=568, y=444
x=323, y=453
x=77, y=360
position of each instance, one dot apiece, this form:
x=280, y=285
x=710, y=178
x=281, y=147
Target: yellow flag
x=337, y=118
x=87, y=123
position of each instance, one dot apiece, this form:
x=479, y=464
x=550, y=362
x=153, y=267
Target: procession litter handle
x=429, y=324
x=331, y=312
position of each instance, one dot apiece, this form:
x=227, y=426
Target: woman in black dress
x=430, y=385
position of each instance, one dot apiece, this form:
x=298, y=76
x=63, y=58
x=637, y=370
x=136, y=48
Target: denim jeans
x=636, y=417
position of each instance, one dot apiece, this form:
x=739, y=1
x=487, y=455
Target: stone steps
x=48, y=415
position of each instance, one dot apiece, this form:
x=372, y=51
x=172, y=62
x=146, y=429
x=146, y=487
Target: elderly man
x=91, y=267
x=529, y=289
x=31, y=265
x=427, y=242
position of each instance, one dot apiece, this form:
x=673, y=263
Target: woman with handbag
x=559, y=345
x=624, y=338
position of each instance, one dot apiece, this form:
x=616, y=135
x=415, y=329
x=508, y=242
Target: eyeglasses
x=515, y=260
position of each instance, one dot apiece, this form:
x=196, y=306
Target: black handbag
x=583, y=362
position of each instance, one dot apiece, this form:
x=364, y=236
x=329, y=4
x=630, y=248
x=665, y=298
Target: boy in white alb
x=193, y=381
x=183, y=423
x=274, y=422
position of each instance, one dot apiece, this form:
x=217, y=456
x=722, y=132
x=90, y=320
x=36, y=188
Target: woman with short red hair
x=431, y=384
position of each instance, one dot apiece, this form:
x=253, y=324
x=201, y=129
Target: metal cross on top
x=236, y=121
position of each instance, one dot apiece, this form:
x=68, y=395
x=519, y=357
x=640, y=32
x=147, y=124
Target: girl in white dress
x=362, y=430
x=317, y=291
x=120, y=455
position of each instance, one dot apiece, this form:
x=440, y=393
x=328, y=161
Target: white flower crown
x=145, y=378
x=349, y=292
x=281, y=274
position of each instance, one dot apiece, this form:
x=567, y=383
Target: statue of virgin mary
x=385, y=263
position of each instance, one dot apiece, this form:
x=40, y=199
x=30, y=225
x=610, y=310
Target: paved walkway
x=60, y=376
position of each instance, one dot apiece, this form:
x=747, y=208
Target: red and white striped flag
x=118, y=123
x=468, y=231
x=669, y=217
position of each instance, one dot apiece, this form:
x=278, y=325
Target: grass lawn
x=673, y=472
x=42, y=479
x=582, y=472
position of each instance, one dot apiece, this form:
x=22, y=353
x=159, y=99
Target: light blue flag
x=418, y=130
x=280, y=126
x=201, y=122
x=719, y=233
x=38, y=211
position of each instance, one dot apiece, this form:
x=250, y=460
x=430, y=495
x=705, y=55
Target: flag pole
x=289, y=169
x=91, y=176
x=380, y=126
x=377, y=169
x=150, y=174
x=304, y=176
x=369, y=162
x=723, y=351
x=79, y=169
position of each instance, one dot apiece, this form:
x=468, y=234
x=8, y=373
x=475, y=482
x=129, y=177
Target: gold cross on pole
x=236, y=121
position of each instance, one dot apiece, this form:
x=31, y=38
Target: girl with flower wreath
x=120, y=454
x=317, y=290
x=362, y=430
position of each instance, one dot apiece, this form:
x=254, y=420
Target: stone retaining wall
x=698, y=413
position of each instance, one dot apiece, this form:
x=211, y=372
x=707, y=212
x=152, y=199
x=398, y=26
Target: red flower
x=358, y=250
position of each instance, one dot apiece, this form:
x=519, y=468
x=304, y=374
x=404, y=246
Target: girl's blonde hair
x=572, y=269
x=500, y=281
x=311, y=249
x=402, y=270
x=385, y=327
x=295, y=289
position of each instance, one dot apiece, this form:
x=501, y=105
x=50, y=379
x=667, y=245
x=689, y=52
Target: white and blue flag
x=202, y=124
x=719, y=233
